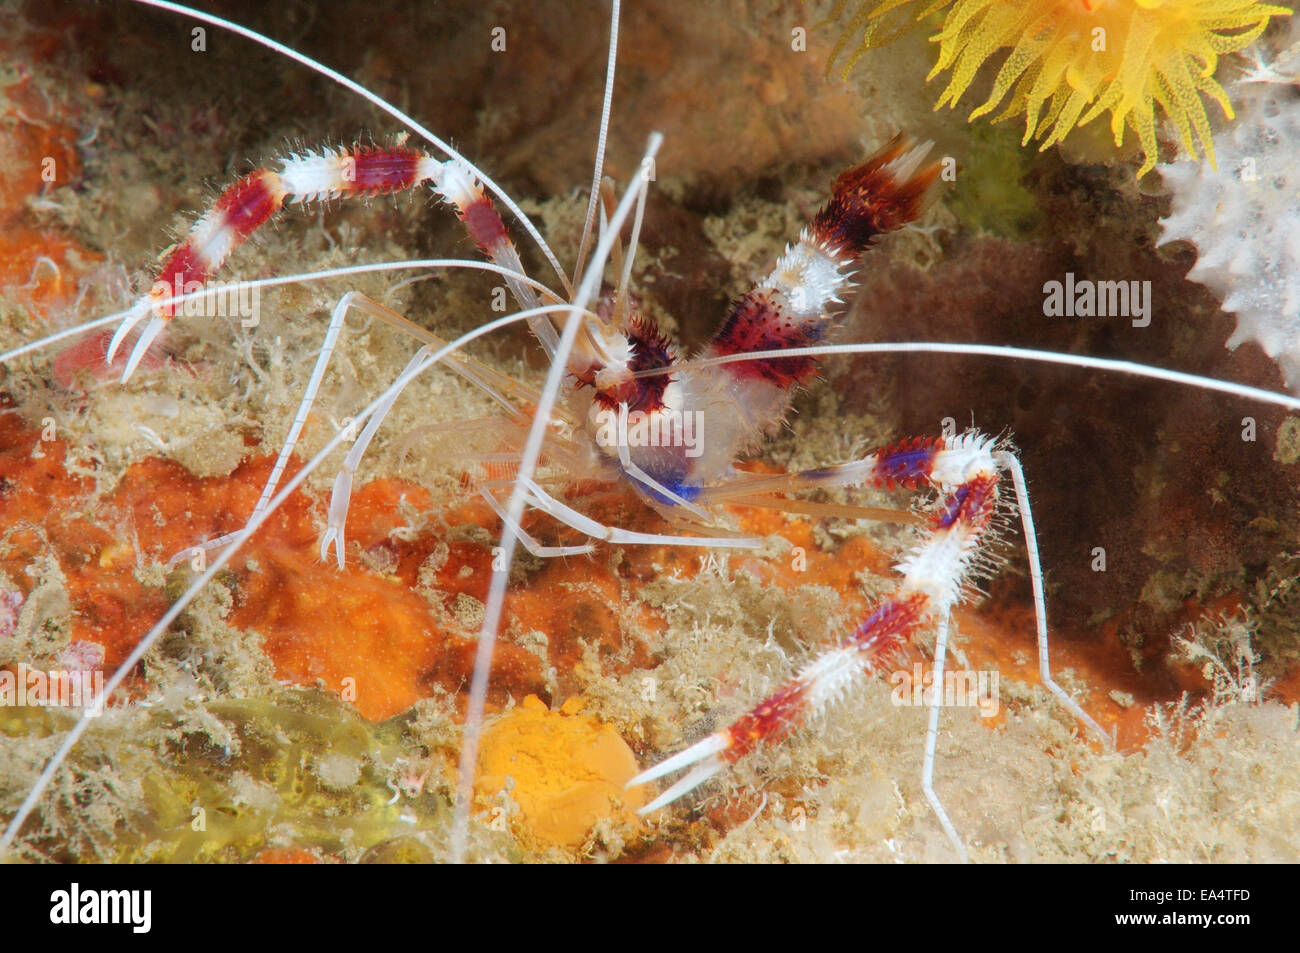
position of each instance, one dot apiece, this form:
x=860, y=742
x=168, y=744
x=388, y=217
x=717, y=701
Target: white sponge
x=1244, y=217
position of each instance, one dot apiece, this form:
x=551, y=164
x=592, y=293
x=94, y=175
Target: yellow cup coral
x=1069, y=61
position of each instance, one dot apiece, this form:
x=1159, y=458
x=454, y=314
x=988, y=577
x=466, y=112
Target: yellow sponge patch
x=568, y=772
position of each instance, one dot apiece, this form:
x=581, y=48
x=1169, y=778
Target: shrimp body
x=685, y=423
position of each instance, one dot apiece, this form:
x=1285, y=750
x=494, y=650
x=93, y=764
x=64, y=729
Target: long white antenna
x=601, y=136
x=305, y=276
x=515, y=508
x=994, y=350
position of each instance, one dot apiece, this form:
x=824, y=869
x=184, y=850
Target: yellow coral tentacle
x=1027, y=52
x=1066, y=62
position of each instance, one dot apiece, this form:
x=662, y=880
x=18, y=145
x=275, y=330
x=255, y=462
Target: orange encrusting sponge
x=38, y=135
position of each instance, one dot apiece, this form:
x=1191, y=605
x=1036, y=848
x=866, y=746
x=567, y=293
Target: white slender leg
x=341, y=496
x=932, y=736
x=1011, y=464
x=541, y=500
x=337, y=318
x=528, y=541
x=342, y=491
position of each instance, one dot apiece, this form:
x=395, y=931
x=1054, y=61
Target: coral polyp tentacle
x=1068, y=63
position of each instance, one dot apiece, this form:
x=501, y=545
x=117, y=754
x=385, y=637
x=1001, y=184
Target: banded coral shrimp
x=880, y=803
